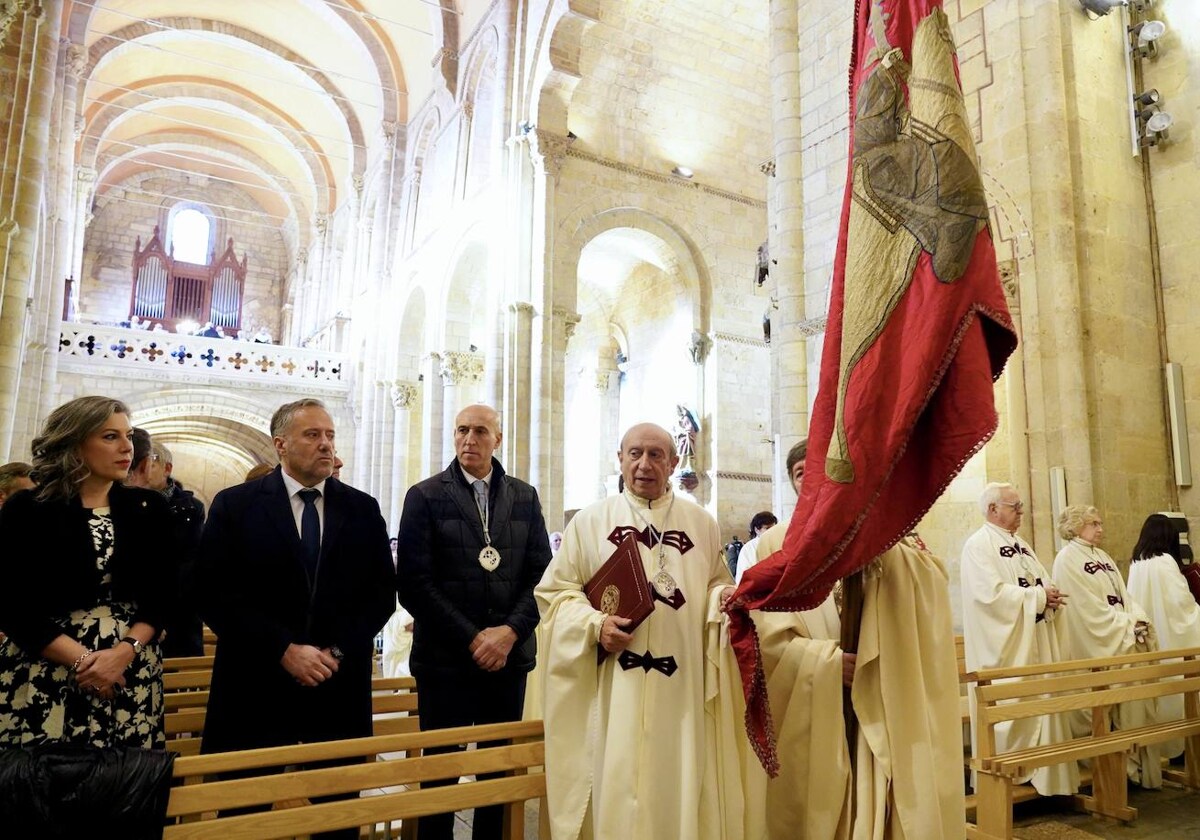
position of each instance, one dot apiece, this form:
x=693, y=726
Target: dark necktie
x=310, y=531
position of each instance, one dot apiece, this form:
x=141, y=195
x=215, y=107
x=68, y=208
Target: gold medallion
x=610, y=600
x=664, y=585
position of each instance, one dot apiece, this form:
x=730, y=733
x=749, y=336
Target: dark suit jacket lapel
x=279, y=512
x=500, y=499
x=335, y=514
x=464, y=496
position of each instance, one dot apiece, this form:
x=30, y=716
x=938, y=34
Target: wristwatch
x=135, y=643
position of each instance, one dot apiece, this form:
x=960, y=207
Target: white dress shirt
x=293, y=489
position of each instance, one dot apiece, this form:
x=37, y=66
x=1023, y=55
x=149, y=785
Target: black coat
x=48, y=565
x=184, y=630
x=451, y=597
x=255, y=595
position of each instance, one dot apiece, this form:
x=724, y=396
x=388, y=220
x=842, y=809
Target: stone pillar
x=431, y=415
x=786, y=223
x=404, y=397
x=20, y=229
x=518, y=394
x=1054, y=340
x=85, y=184
x=382, y=456
x=547, y=155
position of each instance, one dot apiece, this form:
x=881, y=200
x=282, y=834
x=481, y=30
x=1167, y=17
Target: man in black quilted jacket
x=472, y=545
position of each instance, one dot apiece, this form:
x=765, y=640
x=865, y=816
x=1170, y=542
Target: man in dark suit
x=296, y=579
x=472, y=546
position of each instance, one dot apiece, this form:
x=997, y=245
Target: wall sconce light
x=682, y=172
x=1149, y=97
x=1150, y=121
x=1099, y=8
x=1156, y=127
x=1143, y=37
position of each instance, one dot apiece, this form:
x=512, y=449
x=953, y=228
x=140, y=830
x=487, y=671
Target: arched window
x=190, y=231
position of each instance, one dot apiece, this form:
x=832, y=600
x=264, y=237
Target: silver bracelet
x=79, y=661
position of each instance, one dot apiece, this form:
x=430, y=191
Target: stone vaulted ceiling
x=285, y=100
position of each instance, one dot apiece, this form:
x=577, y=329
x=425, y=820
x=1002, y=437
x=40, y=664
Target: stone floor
x=1167, y=814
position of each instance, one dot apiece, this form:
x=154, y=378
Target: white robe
x=810, y=799
x=1099, y=620
x=907, y=784
x=748, y=557
x=635, y=754
x=1007, y=624
x=1157, y=584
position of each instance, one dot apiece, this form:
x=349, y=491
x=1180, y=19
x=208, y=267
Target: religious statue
x=698, y=347
x=686, y=429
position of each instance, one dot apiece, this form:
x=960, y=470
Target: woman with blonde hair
x=87, y=573
x=1101, y=621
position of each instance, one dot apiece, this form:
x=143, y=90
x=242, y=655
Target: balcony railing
x=120, y=351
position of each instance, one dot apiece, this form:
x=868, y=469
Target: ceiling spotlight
x=1100, y=8
x=1143, y=37
x=682, y=172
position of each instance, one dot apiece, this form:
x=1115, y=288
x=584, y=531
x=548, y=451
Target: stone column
x=431, y=415
x=1054, y=333
x=518, y=394
x=20, y=229
x=457, y=370
x=786, y=223
x=85, y=185
x=404, y=397
x=547, y=154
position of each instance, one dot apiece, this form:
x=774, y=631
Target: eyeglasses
x=1017, y=507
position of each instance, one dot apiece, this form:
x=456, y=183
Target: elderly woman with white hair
x=1104, y=621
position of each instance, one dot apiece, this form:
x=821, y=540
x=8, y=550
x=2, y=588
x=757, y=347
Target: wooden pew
x=393, y=706
x=195, y=801
x=1005, y=694
x=187, y=663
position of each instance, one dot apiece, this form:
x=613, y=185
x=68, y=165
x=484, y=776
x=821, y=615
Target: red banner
x=917, y=329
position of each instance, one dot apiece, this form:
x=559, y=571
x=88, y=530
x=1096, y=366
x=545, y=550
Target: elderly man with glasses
x=1009, y=609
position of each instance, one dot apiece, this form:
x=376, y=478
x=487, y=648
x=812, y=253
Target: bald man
x=471, y=547
x=645, y=744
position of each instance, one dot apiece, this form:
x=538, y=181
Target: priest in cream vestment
x=649, y=744
x=1011, y=618
x=906, y=781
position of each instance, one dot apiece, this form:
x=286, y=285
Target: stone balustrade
x=105, y=351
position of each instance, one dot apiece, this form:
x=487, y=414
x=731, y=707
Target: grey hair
x=9, y=473
x=1072, y=519
x=282, y=418
x=991, y=495
x=164, y=454
x=58, y=470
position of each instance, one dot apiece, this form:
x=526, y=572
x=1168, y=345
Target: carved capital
x=359, y=181
x=76, y=60
x=458, y=367
x=1009, y=281
x=569, y=320
x=389, y=128
x=522, y=307
x=80, y=126
x=320, y=224
x=698, y=347
x=85, y=176
x=603, y=380
x=548, y=151
x=9, y=227
x=468, y=109
x=404, y=394
x=767, y=167
x=812, y=326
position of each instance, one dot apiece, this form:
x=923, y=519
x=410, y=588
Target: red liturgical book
x=620, y=588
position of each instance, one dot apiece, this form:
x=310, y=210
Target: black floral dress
x=39, y=700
